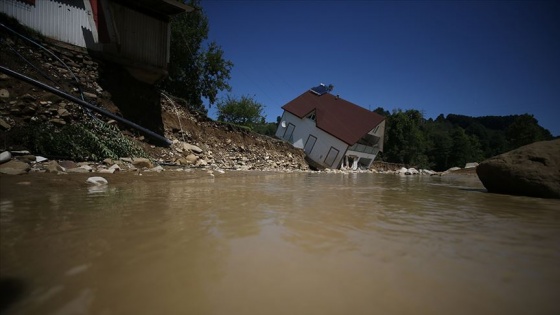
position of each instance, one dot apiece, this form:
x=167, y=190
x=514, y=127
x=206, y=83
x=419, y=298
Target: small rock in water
x=97, y=180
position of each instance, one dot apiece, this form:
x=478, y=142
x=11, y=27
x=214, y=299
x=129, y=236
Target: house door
x=309, y=144
x=289, y=132
x=331, y=156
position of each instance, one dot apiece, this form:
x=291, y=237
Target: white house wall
x=304, y=128
x=69, y=21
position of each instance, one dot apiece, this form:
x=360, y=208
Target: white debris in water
x=97, y=180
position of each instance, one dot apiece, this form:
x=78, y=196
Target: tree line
x=454, y=140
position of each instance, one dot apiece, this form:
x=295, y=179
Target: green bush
x=93, y=140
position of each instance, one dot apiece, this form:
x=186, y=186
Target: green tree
x=524, y=130
x=405, y=141
x=196, y=71
x=465, y=148
x=244, y=111
x=267, y=129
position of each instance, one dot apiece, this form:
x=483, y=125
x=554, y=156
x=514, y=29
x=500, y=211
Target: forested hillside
x=456, y=139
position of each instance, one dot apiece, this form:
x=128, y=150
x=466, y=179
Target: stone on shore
x=532, y=170
x=5, y=157
x=142, y=163
x=53, y=167
x=14, y=167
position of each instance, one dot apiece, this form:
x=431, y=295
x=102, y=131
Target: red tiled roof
x=340, y=118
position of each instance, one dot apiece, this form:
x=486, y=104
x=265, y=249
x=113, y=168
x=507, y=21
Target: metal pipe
x=85, y=104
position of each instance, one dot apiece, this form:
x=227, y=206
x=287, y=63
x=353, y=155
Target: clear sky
x=474, y=58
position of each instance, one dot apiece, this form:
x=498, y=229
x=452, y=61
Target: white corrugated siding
x=68, y=22
x=142, y=38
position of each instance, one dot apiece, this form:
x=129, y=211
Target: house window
x=288, y=133
x=311, y=116
x=331, y=157
x=309, y=144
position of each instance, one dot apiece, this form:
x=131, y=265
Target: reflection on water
x=280, y=244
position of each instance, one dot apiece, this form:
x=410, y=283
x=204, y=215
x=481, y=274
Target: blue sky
x=474, y=58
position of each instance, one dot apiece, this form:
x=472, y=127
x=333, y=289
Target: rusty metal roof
x=334, y=115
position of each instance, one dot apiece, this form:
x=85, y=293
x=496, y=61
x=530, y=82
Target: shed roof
x=334, y=115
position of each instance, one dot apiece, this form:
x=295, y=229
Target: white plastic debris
x=97, y=180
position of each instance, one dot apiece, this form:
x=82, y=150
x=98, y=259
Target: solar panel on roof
x=320, y=90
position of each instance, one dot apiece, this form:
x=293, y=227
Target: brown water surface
x=255, y=243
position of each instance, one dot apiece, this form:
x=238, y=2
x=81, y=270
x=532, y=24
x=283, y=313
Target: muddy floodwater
x=258, y=243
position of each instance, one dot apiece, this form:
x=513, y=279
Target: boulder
x=532, y=170
x=14, y=167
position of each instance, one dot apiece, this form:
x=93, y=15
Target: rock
x=58, y=121
x=62, y=112
x=86, y=167
x=191, y=158
x=114, y=168
x=471, y=165
x=191, y=147
x=188, y=160
x=532, y=170
x=21, y=152
x=412, y=171
x=90, y=95
x=53, y=167
x=156, y=169
x=201, y=162
x=40, y=159
x=97, y=180
x=14, y=167
x=28, y=158
x=5, y=157
x=4, y=125
x=28, y=98
x=142, y=162
x=4, y=93
x=77, y=170
x=68, y=164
